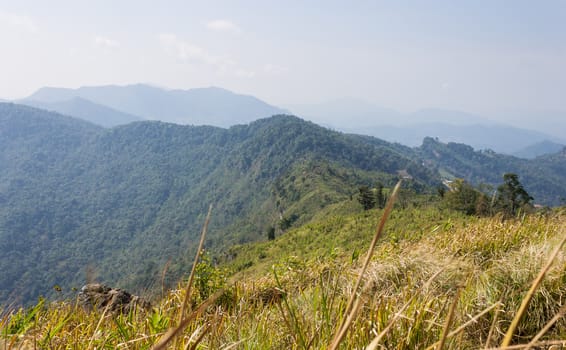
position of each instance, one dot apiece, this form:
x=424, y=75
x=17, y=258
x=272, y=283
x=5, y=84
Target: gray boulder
x=100, y=297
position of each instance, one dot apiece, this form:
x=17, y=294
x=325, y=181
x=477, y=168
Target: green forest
x=119, y=204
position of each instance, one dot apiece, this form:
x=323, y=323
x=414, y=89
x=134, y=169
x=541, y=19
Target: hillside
x=124, y=206
x=122, y=202
x=539, y=149
x=203, y=106
x=499, y=138
x=360, y=117
x=543, y=177
x=84, y=109
x=435, y=276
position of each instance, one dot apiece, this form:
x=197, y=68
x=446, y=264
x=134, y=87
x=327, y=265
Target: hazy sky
x=482, y=56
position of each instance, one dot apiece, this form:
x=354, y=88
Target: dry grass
x=457, y=286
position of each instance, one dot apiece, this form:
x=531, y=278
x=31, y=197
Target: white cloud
x=222, y=25
x=243, y=73
x=274, y=69
x=106, y=43
x=190, y=53
x=18, y=21
x=186, y=51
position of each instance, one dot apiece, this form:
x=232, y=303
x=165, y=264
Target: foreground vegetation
x=437, y=279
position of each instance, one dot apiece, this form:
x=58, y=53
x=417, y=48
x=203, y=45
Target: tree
x=366, y=197
x=380, y=198
x=512, y=196
x=271, y=233
x=462, y=197
x=483, y=207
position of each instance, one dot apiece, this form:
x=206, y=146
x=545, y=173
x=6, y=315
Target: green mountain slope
x=539, y=149
x=543, y=177
x=122, y=202
x=86, y=110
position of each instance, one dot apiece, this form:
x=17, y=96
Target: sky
x=488, y=57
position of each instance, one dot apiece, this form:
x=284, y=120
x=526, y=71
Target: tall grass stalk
x=341, y=332
x=195, y=263
x=173, y=332
x=449, y=319
x=547, y=327
x=525, y=303
x=375, y=342
x=561, y=344
x=462, y=327
x=98, y=325
x=493, y=325
x=184, y=322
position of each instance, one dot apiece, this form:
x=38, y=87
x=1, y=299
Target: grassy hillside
x=291, y=293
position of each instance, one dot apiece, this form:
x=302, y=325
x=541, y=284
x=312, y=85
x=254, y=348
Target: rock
x=98, y=296
x=270, y=296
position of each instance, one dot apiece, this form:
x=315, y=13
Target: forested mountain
x=360, y=117
x=124, y=201
x=203, y=106
x=539, y=149
x=499, y=138
x=544, y=177
x=84, y=109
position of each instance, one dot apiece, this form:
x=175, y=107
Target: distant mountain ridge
x=113, y=105
x=200, y=106
x=539, y=149
x=500, y=138
x=361, y=117
x=87, y=110
x=544, y=177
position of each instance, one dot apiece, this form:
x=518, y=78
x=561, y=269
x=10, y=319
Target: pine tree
x=512, y=196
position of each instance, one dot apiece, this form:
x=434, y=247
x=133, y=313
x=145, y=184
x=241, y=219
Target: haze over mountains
x=203, y=106
x=360, y=117
x=87, y=110
x=112, y=105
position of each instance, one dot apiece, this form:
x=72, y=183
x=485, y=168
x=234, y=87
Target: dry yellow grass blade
x=170, y=335
x=341, y=332
x=375, y=342
x=525, y=303
x=543, y=344
x=173, y=332
x=462, y=327
x=234, y=345
x=98, y=326
x=197, y=257
x=449, y=319
x=493, y=326
x=546, y=327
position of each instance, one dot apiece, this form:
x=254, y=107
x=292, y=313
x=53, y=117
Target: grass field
x=436, y=280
